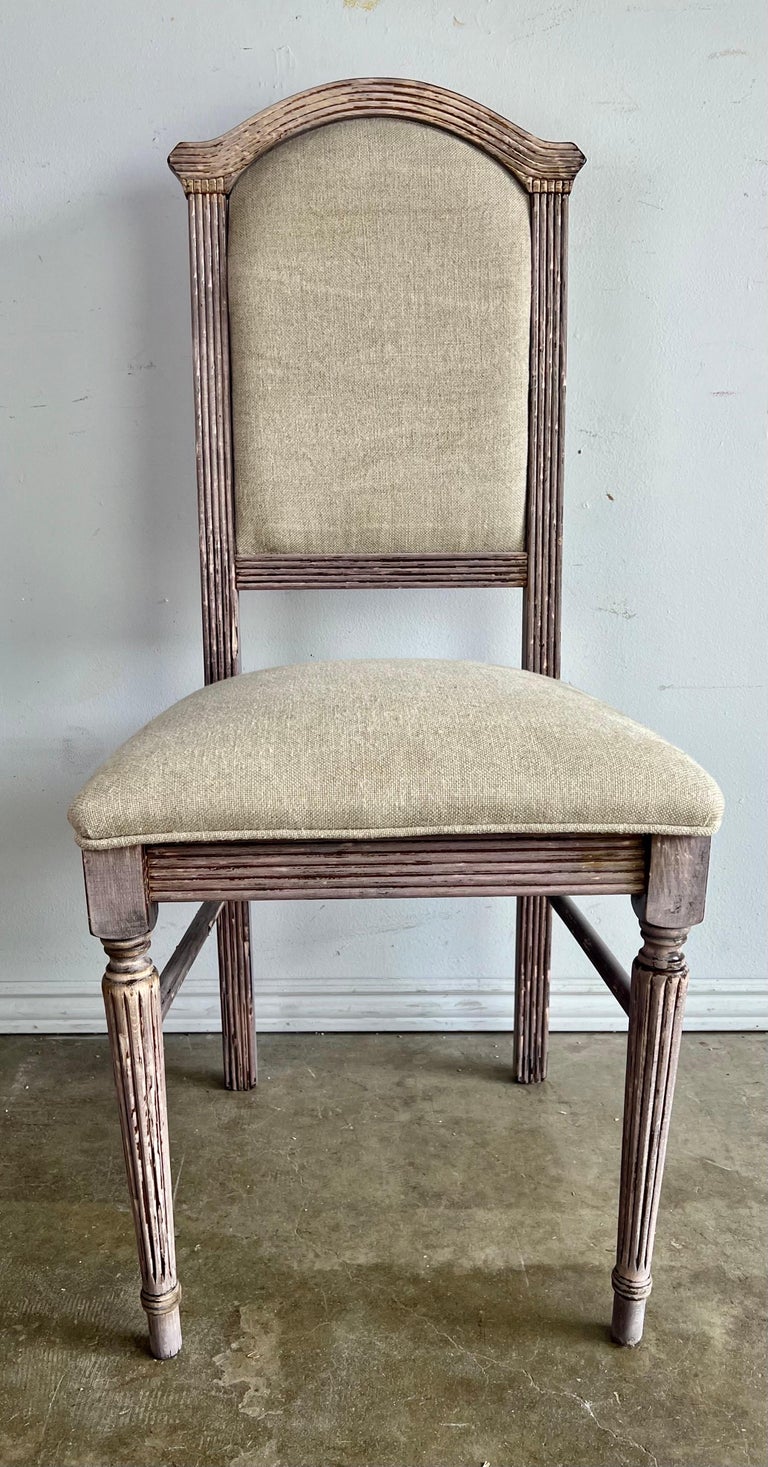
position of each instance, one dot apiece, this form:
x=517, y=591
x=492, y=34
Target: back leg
x=238, y=1031
x=533, y=949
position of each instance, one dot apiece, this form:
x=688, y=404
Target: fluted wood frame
x=541, y=601
x=422, y=866
x=215, y=166
x=208, y=172
x=291, y=572
x=131, y=989
x=657, y=1001
x=221, y=650
x=665, y=875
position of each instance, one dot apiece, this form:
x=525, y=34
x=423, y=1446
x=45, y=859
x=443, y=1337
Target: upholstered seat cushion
x=376, y=748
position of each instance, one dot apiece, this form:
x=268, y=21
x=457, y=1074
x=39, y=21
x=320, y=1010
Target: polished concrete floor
x=391, y=1257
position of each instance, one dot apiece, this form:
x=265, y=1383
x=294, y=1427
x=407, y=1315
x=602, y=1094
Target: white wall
x=664, y=570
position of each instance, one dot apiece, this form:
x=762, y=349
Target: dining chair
x=378, y=318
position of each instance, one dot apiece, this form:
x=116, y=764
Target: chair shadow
x=493, y=1071
x=527, y=1318
x=210, y=1078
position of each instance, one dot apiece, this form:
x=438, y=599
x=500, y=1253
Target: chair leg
x=659, y=984
x=238, y=1031
x=532, y=963
x=131, y=990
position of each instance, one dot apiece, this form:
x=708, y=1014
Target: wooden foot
x=627, y=1321
x=657, y=1001
x=532, y=963
x=164, y=1323
x=131, y=990
x=238, y=1032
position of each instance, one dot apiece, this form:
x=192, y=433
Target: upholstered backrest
x=379, y=309
x=378, y=266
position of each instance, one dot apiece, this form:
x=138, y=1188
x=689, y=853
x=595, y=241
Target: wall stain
x=618, y=609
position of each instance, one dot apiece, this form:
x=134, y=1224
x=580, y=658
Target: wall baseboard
x=312, y=1005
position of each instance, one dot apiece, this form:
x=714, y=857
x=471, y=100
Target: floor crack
x=587, y=1406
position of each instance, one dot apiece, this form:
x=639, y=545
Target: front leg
x=131, y=990
x=672, y=903
x=659, y=984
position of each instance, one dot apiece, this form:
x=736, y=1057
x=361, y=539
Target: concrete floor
x=390, y=1255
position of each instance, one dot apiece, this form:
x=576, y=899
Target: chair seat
x=387, y=748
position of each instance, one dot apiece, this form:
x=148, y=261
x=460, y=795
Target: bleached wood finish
x=677, y=880
x=213, y=435
x=238, y=1029
x=674, y=900
x=666, y=875
x=221, y=654
x=218, y=164
x=542, y=597
x=533, y=949
x=116, y=893
x=207, y=172
x=544, y=526
x=450, y=866
x=291, y=572
x=131, y=988
x=657, y=1002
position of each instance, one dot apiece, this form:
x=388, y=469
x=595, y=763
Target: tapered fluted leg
x=132, y=1000
x=659, y=983
x=238, y=1031
x=532, y=962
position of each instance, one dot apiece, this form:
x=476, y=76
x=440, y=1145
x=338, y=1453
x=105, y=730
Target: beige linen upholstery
x=377, y=748
x=379, y=303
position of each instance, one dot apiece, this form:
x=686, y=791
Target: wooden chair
x=378, y=313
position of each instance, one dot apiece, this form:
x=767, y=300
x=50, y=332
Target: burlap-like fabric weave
x=379, y=299
x=376, y=748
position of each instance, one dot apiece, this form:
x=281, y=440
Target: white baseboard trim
x=399, y=1006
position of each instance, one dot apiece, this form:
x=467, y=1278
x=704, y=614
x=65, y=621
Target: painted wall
x=664, y=566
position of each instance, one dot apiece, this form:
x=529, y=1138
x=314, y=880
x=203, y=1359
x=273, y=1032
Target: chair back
x=378, y=282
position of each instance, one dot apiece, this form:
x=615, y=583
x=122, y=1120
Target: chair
x=378, y=313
